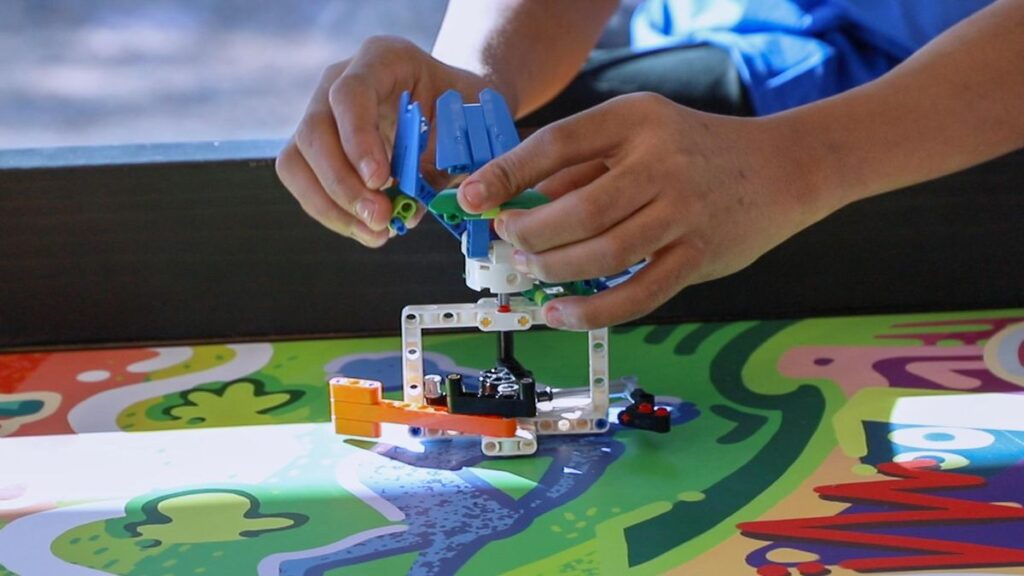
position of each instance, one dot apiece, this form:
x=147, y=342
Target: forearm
x=529, y=49
x=955, y=103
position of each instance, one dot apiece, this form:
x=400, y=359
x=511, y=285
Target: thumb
x=542, y=154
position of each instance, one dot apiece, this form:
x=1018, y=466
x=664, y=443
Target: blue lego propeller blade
x=453, y=152
x=410, y=139
x=479, y=140
x=501, y=130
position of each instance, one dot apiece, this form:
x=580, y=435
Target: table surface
x=841, y=445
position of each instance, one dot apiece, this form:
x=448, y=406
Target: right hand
x=339, y=157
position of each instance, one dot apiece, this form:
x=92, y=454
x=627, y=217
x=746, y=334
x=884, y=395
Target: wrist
x=815, y=171
x=506, y=86
x=469, y=84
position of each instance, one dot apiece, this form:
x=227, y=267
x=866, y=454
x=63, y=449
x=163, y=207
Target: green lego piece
x=530, y=198
x=542, y=293
x=402, y=209
x=446, y=205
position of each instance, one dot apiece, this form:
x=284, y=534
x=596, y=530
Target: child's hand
x=339, y=157
x=699, y=195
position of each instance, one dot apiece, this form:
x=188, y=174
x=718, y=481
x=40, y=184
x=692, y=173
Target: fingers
x=299, y=178
x=318, y=141
x=363, y=102
x=609, y=253
x=574, y=140
x=571, y=178
x=355, y=101
x=669, y=271
x=576, y=216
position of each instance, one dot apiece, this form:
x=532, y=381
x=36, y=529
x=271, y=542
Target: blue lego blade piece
x=478, y=239
x=470, y=135
x=453, y=153
x=479, y=146
x=501, y=129
x=424, y=130
x=410, y=140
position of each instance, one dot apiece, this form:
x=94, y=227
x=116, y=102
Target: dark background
x=184, y=243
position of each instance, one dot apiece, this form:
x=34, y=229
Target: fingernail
x=365, y=209
x=499, y=227
x=553, y=317
x=519, y=261
x=475, y=193
x=367, y=168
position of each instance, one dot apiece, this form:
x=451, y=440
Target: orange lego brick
x=355, y=390
x=423, y=417
x=356, y=428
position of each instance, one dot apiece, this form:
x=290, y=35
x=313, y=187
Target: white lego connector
x=497, y=273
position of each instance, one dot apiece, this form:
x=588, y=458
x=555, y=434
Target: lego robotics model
x=508, y=410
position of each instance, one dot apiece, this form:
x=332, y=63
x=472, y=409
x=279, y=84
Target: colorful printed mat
x=890, y=444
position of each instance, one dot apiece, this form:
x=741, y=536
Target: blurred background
x=79, y=72
x=86, y=72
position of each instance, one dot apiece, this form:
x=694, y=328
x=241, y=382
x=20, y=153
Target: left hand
x=699, y=195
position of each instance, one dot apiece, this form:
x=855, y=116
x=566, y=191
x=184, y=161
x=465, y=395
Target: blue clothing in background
x=790, y=52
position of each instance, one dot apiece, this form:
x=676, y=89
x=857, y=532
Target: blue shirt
x=790, y=52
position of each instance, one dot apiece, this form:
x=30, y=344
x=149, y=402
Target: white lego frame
x=577, y=417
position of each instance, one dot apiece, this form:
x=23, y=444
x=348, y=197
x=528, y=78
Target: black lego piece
x=507, y=356
x=644, y=415
x=518, y=403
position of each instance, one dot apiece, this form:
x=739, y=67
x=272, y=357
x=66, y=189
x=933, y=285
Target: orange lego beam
x=355, y=390
x=354, y=428
x=357, y=409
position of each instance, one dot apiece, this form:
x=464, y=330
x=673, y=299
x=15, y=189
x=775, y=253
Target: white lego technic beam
x=523, y=443
x=575, y=416
x=483, y=315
